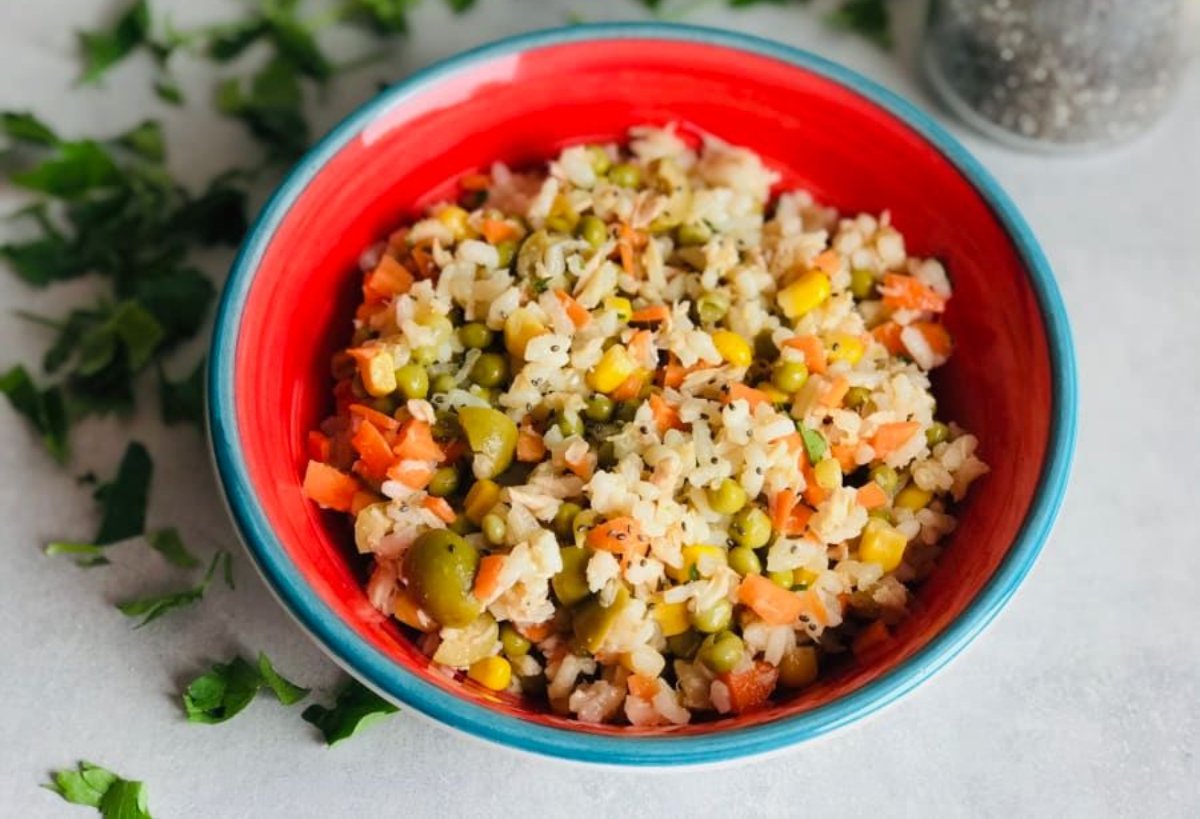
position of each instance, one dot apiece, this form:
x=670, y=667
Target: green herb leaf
x=217, y=216
x=167, y=89
x=814, y=444
x=382, y=16
x=285, y=690
x=230, y=41
x=168, y=543
x=124, y=500
x=870, y=18
x=89, y=555
x=459, y=6
x=96, y=787
x=227, y=570
x=228, y=688
x=182, y=401
x=125, y=800
x=85, y=786
x=25, y=127
x=222, y=693
x=146, y=140
x=151, y=608
x=43, y=408
x=295, y=44
x=356, y=707
x=77, y=168
x=270, y=106
x=41, y=261
x=104, y=49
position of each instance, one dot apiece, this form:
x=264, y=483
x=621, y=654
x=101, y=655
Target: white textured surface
x=1082, y=699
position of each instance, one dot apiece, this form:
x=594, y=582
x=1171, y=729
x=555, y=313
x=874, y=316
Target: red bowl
x=287, y=305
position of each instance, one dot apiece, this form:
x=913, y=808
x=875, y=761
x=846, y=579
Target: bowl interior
x=521, y=108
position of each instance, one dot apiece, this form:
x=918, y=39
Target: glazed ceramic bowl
x=287, y=304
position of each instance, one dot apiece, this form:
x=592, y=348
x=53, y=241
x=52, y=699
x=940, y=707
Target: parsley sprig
x=224, y=691
x=92, y=786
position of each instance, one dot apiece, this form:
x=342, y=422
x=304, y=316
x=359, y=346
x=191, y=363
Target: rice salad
x=633, y=433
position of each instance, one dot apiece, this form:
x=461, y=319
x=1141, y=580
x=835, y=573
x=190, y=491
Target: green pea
x=764, y=347
x=569, y=424
x=599, y=408
x=693, y=233
x=494, y=529
x=715, y=618
x=751, y=528
x=412, y=381
x=790, y=376
x=506, y=250
x=886, y=477
x=721, y=652
x=712, y=307
x=862, y=282
x=593, y=230
x=937, y=433
x=784, y=578
x=443, y=482
x=744, y=561
x=857, y=397
x=443, y=383
x=728, y=498
x=489, y=370
x=475, y=336
x=512, y=643
x=685, y=645
x=601, y=161
x=564, y=519
x=625, y=175
x=440, y=568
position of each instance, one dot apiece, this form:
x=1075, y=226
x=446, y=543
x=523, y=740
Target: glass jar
x=1056, y=74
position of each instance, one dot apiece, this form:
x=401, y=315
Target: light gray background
x=1080, y=700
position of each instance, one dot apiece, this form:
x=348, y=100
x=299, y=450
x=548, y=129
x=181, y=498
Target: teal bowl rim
x=375, y=669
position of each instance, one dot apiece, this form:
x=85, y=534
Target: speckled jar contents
x=1056, y=73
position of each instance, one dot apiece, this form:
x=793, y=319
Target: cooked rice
x=699, y=233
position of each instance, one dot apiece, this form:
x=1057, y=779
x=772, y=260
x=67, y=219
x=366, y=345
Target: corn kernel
x=845, y=347
x=807, y=292
x=491, y=672
x=378, y=373
x=621, y=306
x=828, y=474
x=610, y=372
x=455, y=218
x=913, y=497
x=521, y=327
x=703, y=559
x=562, y=217
x=733, y=348
x=671, y=617
x=881, y=544
x=804, y=577
x=483, y=495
